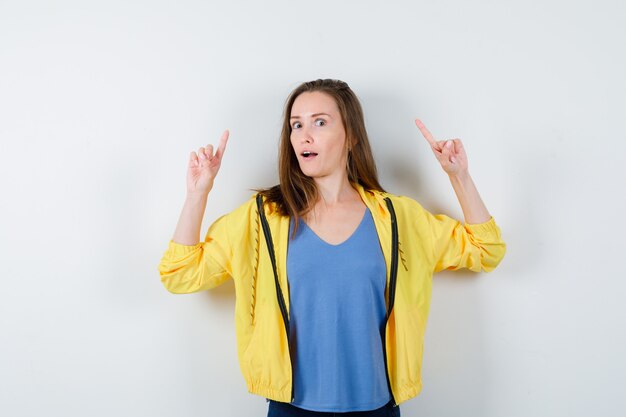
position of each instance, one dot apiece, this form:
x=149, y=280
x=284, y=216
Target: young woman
x=332, y=274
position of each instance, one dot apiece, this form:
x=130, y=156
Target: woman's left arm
x=453, y=159
x=477, y=244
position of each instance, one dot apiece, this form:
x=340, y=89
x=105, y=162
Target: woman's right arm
x=189, y=265
x=188, y=227
x=201, y=172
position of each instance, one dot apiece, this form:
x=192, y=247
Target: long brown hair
x=296, y=193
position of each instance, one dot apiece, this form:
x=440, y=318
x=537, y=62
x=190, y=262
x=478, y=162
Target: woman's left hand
x=450, y=153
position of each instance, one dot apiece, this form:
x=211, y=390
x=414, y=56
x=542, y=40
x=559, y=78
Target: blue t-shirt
x=337, y=310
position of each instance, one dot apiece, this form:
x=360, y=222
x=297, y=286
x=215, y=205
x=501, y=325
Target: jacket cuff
x=178, y=250
x=488, y=228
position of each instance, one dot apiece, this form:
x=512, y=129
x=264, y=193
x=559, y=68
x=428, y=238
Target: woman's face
x=317, y=128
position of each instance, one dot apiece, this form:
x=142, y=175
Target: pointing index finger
x=429, y=137
x=222, y=145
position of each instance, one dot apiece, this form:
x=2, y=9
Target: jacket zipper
x=279, y=294
x=392, y=285
x=392, y=290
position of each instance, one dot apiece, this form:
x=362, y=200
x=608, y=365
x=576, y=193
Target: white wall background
x=101, y=103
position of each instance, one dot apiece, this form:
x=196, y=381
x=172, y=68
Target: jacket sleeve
x=472, y=246
x=192, y=268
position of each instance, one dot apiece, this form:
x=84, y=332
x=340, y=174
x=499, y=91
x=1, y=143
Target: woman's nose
x=305, y=136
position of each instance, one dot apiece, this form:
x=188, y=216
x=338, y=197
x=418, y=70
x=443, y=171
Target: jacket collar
x=374, y=200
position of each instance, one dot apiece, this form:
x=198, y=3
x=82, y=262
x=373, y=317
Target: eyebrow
x=313, y=115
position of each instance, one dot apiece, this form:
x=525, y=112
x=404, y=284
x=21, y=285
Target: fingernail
x=448, y=144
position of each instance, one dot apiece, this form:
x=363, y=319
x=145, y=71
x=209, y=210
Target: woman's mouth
x=309, y=155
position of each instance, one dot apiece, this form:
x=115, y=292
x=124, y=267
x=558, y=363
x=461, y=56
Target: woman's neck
x=335, y=190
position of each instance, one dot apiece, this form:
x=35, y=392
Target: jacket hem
x=282, y=395
x=408, y=392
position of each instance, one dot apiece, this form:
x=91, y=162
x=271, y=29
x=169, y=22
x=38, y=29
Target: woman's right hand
x=203, y=167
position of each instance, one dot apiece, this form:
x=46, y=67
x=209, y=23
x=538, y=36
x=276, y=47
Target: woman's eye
x=318, y=122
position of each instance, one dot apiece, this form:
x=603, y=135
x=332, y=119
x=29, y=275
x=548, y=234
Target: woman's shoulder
x=243, y=211
x=398, y=200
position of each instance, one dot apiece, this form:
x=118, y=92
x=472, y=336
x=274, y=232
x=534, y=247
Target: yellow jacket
x=237, y=246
